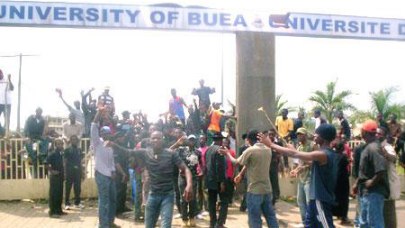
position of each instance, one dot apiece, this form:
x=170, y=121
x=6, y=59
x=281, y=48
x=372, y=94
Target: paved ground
x=34, y=214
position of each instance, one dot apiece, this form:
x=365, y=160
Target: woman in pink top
x=230, y=170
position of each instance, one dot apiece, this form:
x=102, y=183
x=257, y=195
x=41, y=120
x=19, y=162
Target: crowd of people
x=192, y=162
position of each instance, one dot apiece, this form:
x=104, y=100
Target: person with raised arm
x=323, y=175
x=159, y=162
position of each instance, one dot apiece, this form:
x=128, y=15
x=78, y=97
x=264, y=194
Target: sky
x=142, y=66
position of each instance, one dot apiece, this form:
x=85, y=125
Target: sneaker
x=200, y=217
x=79, y=206
x=139, y=219
x=177, y=216
x=67, y=207
x=193, y=223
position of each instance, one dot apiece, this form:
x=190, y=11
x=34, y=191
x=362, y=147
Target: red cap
x=370, y=126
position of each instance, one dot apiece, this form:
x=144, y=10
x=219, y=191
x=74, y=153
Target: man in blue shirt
x=323, y=175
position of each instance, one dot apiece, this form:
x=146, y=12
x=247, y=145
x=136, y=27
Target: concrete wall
x=38, y=189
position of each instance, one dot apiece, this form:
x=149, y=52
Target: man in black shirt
x=215, y=182
x=56, y=175
x=121, y=166
x=159, y=162
x=73, y=162
x=345, y=131
x=372, y=182
x=297, y=124
x=203, y=94
x=37, y=146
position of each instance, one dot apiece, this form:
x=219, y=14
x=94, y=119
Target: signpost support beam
x=255, y=82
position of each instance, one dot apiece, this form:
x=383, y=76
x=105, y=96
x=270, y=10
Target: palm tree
x=330, y=101
x=381, y=102
x=279, y=103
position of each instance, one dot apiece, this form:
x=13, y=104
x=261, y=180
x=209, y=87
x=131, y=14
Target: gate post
x=255, y=82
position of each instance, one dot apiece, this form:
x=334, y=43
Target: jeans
x=257, y=205
x=303, y=198
x=106, y=200
x=372, y=205
x=358, y=211
x=188, y=209
x=159, y=204
x=136, y=182
x=176, y=188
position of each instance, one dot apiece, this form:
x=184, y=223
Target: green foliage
x=281, y=104
x=330, y=101
x=381, y=102
x=360, y=116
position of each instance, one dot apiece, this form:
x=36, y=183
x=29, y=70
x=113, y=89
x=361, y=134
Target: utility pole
x=20, y=57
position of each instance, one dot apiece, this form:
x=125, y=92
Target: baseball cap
x=370, y=126
x=105, y=130
x=302, y=130
x=191, y=137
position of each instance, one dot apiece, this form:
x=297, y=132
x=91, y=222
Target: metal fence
x=16, y=164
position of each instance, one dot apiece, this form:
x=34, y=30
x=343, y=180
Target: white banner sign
x=196, y=19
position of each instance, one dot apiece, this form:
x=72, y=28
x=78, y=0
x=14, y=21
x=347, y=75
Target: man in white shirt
x=72, y=127
x=6, y=86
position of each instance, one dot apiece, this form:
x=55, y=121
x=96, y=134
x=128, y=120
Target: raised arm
x=292, y=152
x=94, y=134
x=10, y=84
x=63, y=100
x=85, y=104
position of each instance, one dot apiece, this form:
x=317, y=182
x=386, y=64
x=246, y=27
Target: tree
x=359, y=116
x=330, y=101
x=381, y=102
x=281, y=104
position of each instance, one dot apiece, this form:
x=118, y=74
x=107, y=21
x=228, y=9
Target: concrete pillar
x=255, y=83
